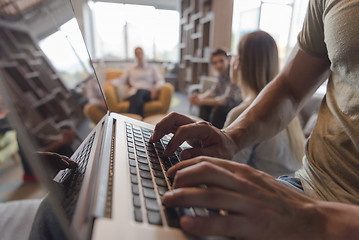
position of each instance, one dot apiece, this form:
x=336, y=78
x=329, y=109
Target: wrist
x=231, y=141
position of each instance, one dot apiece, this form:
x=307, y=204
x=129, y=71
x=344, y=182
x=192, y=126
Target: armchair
x=158, y=106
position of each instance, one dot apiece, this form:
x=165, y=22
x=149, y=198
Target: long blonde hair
x=259, y=64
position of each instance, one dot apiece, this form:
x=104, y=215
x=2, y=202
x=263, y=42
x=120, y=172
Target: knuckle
x=206, y=166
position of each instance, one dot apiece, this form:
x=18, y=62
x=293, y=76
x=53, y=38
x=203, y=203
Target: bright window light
x=67, y=52
x=119, y=28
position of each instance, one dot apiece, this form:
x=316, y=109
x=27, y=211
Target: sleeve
x=311, y=39
x=158, y=78
x=124, y=79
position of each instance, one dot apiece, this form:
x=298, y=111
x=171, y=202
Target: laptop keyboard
x=72, y=178
x=147, y=167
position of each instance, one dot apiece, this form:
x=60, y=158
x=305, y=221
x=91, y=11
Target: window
x=119, y=28
x=67, y=52
x=283, y=19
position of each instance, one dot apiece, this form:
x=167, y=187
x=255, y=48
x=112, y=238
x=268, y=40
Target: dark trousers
x=138, y=100
x=214, y=114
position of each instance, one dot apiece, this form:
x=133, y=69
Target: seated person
x=322, y=201
x=215, y=103
x=283, y=153
x=144, y=82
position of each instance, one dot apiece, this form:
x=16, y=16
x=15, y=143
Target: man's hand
x=202, y=136
x=56, y=162
x=154, y=93
x=256, y=206
x=195, y=99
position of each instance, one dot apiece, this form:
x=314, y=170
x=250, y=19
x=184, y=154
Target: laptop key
x=156, y=166
x=138, y=214
x=135, y=189
x=134, y=179
x=133, y=170
x=131, y=150
x=172, y=217
x=151, y=204
x=154, y=217
x=158, y=174
x=144, y=167
x=145, y=174
x=149, y=193
x=162, y=190
x=142, y=160
x=147, y=183
x=141, y=154
x=161, y=182
x=131, y=156
x=154, y=159
x=136, y=201
x=132, y=163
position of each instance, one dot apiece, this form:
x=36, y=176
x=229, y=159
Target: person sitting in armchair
x=144, y=82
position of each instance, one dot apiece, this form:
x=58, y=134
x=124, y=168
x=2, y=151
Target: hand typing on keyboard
x=204, y=138
x=256, y=206
x=56, y=162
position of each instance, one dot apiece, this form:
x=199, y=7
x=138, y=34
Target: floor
x=13, y=188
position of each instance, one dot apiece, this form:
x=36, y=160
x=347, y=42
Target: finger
x=71, y=164
x=229, y=165
x=228, y=226
x=199, y=151
x=190, y=131
x=208, y=174
x=213, y=198
x=244, y=173
x=173, y=120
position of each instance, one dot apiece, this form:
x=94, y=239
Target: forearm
x=279, y=101
x=270, y=112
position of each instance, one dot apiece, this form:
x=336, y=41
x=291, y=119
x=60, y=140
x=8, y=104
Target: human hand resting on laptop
x=202, y=136
x=256, y=206
x=56, y=162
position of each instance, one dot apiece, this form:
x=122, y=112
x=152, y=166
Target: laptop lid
x=46, y=79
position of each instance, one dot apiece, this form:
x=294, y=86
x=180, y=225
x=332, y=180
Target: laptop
x=115, y=192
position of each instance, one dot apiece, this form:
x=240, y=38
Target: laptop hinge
x=104, y=175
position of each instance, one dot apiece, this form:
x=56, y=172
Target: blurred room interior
x=46, y=65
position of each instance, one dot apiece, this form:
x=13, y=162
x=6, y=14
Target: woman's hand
x=256, y=206
x=202, y=136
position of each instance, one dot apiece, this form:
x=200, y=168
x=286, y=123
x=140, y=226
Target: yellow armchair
x=158, y=106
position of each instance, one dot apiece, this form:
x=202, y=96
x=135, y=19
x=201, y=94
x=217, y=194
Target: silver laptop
x=115, y=193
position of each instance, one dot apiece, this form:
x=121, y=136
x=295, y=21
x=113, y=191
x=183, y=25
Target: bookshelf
x=205, y=25
x=39, y=92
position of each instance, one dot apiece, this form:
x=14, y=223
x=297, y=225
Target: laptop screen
x=49, y=87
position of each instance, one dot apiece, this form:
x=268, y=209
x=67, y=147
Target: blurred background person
x=143, y=81
x=215, y=103
x=257, y=64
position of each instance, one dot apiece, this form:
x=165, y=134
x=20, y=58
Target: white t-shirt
x=137, y=77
